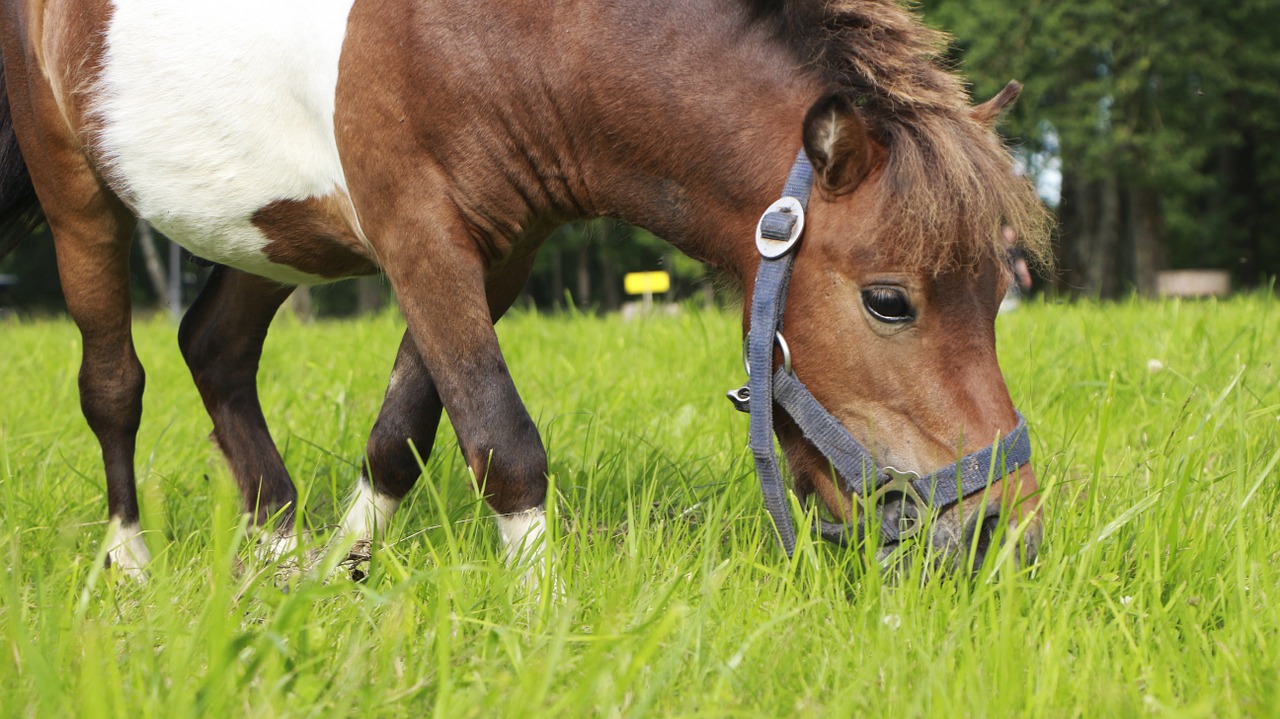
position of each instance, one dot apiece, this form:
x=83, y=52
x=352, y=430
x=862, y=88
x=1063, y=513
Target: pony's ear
x=839, y=148
x=990, y=112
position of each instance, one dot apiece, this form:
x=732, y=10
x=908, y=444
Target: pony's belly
x=232, y=241
x=312, y=248
x=211, y=112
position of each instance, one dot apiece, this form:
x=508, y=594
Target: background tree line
x=581, y=265
x=1159, y=115
x=1151, y=124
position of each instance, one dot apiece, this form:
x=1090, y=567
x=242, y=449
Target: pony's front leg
x=221, y=338
x=446, y=304
x=407, y=422
x=405, y=431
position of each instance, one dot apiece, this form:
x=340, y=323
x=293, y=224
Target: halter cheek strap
x=777, y=236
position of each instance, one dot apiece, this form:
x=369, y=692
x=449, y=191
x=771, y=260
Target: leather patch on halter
x=313, y=236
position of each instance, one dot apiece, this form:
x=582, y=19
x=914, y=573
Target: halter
x=777, y=235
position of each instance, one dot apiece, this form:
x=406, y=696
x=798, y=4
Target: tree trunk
x=1146, y=228
x=369, y=297
x=1108, y=241
x=300, y=304
x=609, y=283
x=557, y=280
x=1064, y=252
x=175, y=280
x=151, y=257
x=583, y=298
x=1082, y=265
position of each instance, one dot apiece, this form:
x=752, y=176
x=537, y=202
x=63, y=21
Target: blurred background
x=1150, y=128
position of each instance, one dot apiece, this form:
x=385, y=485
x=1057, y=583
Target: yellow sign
x=640, y=283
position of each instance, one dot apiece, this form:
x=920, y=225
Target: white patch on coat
x=370, y=513
x=523, y=534
x=211, y=110
x=125, y=549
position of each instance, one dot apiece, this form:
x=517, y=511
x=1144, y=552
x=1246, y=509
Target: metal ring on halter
x=782, y=345
x=786, y=352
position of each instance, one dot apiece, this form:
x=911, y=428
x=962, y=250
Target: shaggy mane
x=950, y=180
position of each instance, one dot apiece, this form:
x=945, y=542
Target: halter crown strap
x=777, y=236
x=767, y=302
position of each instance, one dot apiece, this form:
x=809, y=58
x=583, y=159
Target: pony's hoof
x=346, y=553
x=356, y=563
x=277, y=547
x=534, y=581
x=276, y=554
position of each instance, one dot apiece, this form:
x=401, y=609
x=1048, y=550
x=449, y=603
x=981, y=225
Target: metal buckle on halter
x=741, y=397
x=779, y=227
x=900, y=482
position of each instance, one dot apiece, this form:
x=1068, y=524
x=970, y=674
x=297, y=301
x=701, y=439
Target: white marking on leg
x=125, y=548
x=276, y=544
x=523, y=534
x=524, y=538
x=370, y=513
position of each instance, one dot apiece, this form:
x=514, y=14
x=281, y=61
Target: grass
x=1154, y=593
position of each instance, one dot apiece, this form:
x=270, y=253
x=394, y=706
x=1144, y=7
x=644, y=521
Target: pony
x=297, y=142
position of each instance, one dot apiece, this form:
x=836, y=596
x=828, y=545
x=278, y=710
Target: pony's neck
x=690, y=120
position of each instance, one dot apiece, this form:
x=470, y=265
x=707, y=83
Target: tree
x=1141, y=100
x=596, y=254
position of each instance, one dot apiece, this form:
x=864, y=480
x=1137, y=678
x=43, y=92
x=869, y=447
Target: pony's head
x=890, y=321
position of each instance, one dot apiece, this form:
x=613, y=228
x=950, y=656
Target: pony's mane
x=949, y=180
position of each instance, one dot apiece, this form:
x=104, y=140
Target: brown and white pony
x=297, y=142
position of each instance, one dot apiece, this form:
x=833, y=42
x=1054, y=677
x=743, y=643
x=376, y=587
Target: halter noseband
x=777, y=235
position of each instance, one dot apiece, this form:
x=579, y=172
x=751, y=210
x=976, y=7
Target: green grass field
x=1154, y=594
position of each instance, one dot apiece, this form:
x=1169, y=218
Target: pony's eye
x=888, y=304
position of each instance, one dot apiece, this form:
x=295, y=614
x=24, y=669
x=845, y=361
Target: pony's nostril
x=1031, y=543
x=981, y=536
x=989, y=532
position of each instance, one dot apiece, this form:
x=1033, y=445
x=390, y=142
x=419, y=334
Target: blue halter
x=777, y=235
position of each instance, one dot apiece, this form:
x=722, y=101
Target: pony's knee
x=111, y=394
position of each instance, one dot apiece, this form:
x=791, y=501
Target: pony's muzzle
x=985, y=523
